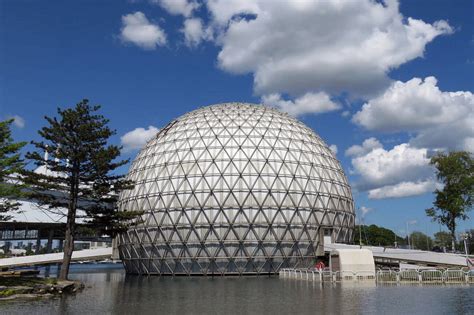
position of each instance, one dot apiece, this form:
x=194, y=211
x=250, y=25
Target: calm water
x=109, y=291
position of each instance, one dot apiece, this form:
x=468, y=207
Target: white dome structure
x=233, y=189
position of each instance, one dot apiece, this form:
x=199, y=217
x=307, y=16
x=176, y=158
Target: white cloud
x=224, y=11
x=296, y=47
x=367, y=146
x=333, y=148
x=403, y=189
x=193, y=32
x=138, y=30
x=399, y=172
x=365, y=210
x=439, y=119
x=315, y=103
x=18, y=121
x=137, y=138
x=178, y=7
x=300, y=48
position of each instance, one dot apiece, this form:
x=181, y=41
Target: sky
x=385, y=83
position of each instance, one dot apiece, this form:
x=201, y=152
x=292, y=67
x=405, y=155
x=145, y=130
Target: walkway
x=86, y=254
x=396, y=255
x=382, y=276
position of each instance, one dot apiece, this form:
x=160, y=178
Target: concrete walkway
x=394, y=254
x=86, y=254
x=407, y=255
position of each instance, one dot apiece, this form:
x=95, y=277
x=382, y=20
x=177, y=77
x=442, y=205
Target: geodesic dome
x=233, y=189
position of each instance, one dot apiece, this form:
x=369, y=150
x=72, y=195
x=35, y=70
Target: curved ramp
x=407, y=255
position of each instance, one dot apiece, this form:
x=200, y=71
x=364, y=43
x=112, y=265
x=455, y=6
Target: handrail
x=383, y=276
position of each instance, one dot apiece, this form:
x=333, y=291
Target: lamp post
x=408, y=237
x=465, y=236
x=410, y=242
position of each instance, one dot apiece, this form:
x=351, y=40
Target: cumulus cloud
x=403, y=189
x=138, y=30
x=193, y=32
x=18, y=121
x=178, y=7
x=367, y=146
x=137, y=138
x=315, y=103
x=439, y=119
x=400, y=172
x=296, y=47
x=333, y=148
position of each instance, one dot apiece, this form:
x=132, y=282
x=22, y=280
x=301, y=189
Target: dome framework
x=233, y=189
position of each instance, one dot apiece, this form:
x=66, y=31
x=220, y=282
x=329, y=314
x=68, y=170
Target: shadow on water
x=110, y=291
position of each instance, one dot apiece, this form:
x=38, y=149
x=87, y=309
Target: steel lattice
x=233, y=189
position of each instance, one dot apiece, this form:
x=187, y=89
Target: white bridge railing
x=382, y=276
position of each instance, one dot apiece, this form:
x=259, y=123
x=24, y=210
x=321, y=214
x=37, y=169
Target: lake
x=109, y=291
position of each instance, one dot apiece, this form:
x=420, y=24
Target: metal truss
x=233, y=189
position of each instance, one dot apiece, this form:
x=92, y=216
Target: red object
x=320, y=265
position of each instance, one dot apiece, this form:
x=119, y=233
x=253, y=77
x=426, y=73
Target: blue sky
x=349, y=71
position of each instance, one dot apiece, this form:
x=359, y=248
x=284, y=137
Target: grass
x=7, y=292
x=25, y=281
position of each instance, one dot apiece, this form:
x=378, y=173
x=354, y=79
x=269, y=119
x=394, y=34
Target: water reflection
x=112, y=292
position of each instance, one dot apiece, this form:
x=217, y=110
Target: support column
x=49, y=247
x=61, y=241
x=38, y=242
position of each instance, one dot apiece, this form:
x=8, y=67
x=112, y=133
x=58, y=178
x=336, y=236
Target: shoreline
x=18, y=287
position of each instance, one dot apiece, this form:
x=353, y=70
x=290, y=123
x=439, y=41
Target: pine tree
x=79, y=175
x=11, y=164
x=456, y=171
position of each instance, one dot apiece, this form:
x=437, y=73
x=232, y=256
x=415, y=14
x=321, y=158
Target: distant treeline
x=379, y=236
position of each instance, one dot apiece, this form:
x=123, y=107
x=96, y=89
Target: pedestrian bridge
x=44, y=259
x=381, y=254
x=408, y=256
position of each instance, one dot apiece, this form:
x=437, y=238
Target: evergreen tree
x=10, y=164
x=78, y=176
x=456, y=171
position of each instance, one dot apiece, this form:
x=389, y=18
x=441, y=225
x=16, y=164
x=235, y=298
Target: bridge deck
x=407, y=255
x=86, y=254
x=394, y=254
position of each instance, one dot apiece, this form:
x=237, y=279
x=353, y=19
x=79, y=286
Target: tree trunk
x=452, y=229
x=68, y=246
x=453, y=241
x=70, y=229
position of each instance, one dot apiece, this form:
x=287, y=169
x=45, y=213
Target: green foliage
x=419, y=240
x=15, y=281
x=80, y=167
x=456, y=171
x=442, y=239
x=7, y=292
x=470, y=241
x=376, y=236
x=10, y=164
x=79, y=173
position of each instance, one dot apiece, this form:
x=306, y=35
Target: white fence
x=382, y=276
